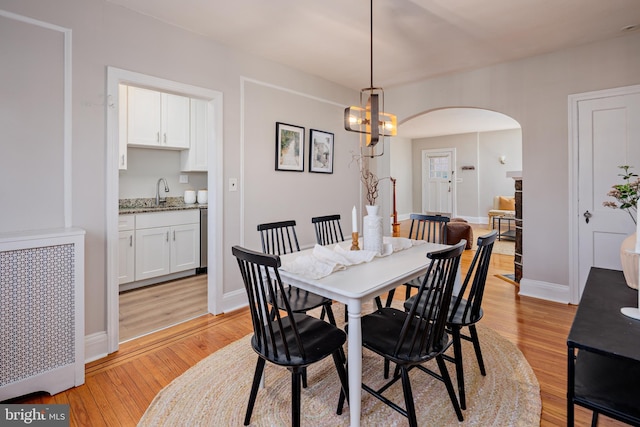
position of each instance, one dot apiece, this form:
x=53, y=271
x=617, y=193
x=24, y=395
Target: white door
x=608, y=137
x=438, y=186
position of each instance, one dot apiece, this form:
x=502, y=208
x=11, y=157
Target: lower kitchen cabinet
x=126, y=248
x=153, y=252
x=167, y=242
x=126, y=256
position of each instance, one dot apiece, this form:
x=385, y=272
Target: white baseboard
x=95, y=346
x=234, y=300
x=544, y=290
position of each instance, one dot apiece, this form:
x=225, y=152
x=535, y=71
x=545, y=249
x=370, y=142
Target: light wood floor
x=119, y=388
x=156, y=307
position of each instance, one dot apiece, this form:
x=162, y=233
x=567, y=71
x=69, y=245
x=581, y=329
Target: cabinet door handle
x=167, y=236
x=174, y=235
x=165, y=138
x=131, y=241
x=158, y=137
x=122, y=162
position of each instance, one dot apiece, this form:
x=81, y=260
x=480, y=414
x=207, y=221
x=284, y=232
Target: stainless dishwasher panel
x=203, y=237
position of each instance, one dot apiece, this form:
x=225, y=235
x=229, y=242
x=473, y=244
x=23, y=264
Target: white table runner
x=324, y=260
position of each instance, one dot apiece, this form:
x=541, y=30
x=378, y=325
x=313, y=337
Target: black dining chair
x=430, y=228
x=279, y=238
x=409, y=339
x=465, y=309
x=328, y=229
x=294, y=340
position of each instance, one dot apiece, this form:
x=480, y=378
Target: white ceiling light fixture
x=370, y=118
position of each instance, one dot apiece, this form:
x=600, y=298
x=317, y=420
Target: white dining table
x=353, y=286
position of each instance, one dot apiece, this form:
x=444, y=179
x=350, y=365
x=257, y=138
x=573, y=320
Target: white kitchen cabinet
x=156, y=119
x=126, y=249
x=195, y=158
x=152, y=252
x=126, y=256
x=185, y=247
x=166, y=242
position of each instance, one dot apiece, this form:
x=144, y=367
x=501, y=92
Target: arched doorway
x=485, y=146
x=482, y=150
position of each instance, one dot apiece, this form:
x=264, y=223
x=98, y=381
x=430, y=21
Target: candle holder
x=354, y=241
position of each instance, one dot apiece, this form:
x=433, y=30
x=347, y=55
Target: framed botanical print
x=320, y=151
x=289, y=147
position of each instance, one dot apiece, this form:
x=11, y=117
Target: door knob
x=587, y=215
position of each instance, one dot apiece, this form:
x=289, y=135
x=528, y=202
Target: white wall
x=534, y=92
x=475, y=188
x=283, y=195
x=402, y=170
x=493, y=180
x=146, y=165
x=108, y=35
x=32, y=115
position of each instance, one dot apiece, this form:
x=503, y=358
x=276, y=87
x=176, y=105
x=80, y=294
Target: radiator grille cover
x=37, y=311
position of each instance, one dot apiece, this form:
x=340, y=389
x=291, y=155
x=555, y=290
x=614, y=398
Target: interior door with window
x=438, y=186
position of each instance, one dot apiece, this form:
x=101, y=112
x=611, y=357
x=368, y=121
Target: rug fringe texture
x=215, y=391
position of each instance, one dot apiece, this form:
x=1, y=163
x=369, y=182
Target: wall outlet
x=184, y=179
x=233, y=184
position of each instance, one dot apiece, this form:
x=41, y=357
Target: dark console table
x=604, y=374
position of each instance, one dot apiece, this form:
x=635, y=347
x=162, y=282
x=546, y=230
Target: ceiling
x=412, y=39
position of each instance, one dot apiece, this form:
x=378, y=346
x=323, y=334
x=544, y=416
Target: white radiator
x=41, y=311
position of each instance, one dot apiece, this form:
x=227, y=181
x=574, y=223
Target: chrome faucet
x=166, y=190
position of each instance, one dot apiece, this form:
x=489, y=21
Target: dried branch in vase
x=370, y=181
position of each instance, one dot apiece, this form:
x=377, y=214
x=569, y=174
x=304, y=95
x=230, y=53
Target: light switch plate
x=184, y=179
x=233, y=184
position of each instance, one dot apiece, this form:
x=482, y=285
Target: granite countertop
x=135, y=206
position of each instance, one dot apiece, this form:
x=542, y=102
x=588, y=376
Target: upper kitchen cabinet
x=157, y=119
x=195, y=158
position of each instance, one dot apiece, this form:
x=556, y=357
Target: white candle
x=354, y=220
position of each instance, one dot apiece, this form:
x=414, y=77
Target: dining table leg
x=354, y=361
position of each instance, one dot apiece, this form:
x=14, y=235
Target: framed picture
x=289, y=147
x=321, y=151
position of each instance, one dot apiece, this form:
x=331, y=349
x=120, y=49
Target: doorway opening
x=460, y=160
x=213, y=99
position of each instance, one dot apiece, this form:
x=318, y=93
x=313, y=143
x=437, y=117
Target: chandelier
x=369, y=118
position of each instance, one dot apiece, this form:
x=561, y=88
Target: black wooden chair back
x=431, y=228
x=279, y=238
x=470, y=311
x=328, y=229
x=261, y=279
x=281, y=336
x=465, y=310
x=423, y=329
x=410, y=339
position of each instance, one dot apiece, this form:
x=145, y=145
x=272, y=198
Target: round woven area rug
x=215, y=391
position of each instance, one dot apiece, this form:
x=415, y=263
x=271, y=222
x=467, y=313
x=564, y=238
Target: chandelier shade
x=370, y=118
